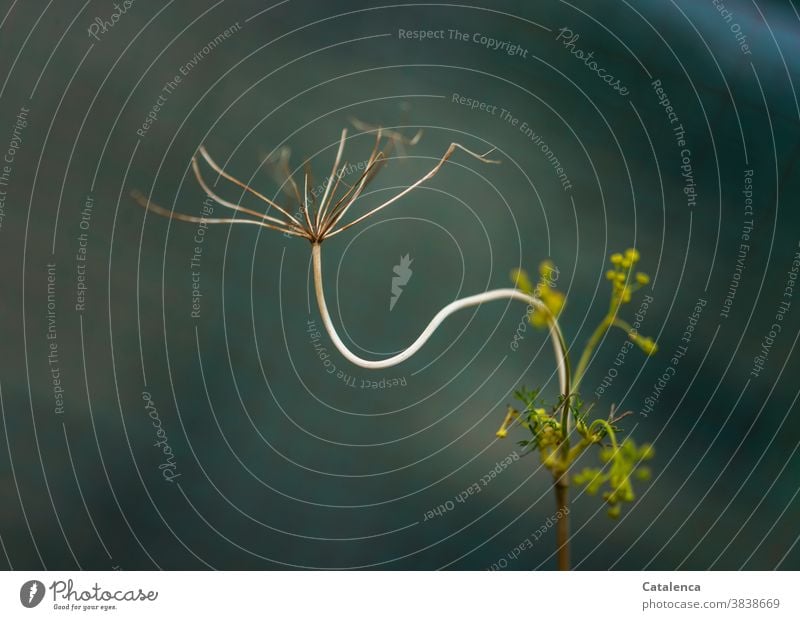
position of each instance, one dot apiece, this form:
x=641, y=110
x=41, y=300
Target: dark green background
x=283, y=465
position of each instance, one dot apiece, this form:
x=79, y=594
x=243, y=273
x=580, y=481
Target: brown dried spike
x=149, y=205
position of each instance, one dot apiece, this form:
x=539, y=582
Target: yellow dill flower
x=646, y=452
x=550, y=297
x=545, y=291
x=521, y=280
x=554, y=300
x=622, y=278
x=632, y=254
x=511, y=415
x=547, y=269
x=647, y=345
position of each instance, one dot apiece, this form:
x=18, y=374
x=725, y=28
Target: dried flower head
x=316, y=221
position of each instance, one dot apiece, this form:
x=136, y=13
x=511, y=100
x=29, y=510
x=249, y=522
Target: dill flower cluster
x=624, y=282
x=545, y=290
x=622, y=277
x=622, y=463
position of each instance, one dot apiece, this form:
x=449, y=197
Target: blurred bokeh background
x=277, y=462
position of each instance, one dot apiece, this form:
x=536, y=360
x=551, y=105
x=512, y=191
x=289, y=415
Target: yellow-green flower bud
x=632, y=254
x=647, y=345
x=522, y=281
x=547, y=269
x=646, y=452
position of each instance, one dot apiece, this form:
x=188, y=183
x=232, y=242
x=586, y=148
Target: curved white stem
x=556, y=337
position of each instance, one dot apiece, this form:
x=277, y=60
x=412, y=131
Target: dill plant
x=561, y=433
x=550, y=435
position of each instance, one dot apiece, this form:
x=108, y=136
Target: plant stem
x=609, y=431
x=591, y=344
x=561, y=487
x=561, y=476
x=556, y=337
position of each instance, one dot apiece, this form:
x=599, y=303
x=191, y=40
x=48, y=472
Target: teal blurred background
x=278, y=463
